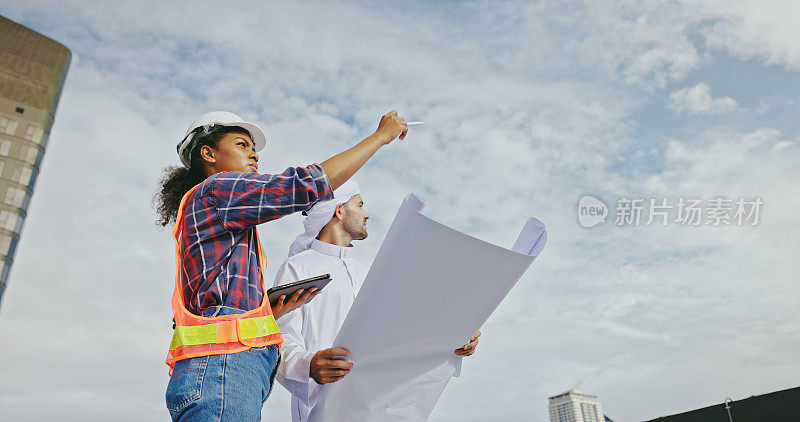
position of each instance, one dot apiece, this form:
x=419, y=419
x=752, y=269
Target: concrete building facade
x=32, y=73
x=575, y=406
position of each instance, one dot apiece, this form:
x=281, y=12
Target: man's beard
x=355, y=228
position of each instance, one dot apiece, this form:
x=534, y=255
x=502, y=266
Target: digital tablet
x=319, y=282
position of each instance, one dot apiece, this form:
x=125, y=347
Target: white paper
x=428, y=291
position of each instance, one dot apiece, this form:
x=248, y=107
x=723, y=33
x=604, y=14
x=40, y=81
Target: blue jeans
x=230, y=387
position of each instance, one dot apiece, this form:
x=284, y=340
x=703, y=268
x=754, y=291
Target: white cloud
x=698, y=100
x=640, y=43
x=765, y=29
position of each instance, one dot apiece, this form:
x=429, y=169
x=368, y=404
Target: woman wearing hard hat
x=224, y=351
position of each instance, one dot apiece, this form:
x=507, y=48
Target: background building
x=575, y=406
x=778, y=406
x=32, y=72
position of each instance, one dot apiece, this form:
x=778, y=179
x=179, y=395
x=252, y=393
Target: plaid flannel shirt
x=219, y=256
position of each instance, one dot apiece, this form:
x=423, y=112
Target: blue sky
x=529, y=106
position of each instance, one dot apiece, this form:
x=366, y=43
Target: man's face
x=235, y=152
x=354, y=218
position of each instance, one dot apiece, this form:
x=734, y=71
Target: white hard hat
x=217, y=118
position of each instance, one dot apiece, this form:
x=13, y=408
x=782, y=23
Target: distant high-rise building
x=32, y=72
x=575, y=406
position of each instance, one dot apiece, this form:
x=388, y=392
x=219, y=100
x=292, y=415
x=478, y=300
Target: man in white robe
x=307, y=359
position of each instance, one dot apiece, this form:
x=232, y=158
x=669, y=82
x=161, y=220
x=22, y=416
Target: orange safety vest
x=200, y=336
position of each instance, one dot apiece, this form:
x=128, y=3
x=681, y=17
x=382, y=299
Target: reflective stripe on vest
x=196, y=335
x=224, y=332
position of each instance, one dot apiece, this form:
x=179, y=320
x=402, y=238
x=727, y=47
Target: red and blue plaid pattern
x=220, y=264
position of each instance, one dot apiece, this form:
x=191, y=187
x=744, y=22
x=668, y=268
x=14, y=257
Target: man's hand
x=469, y=348
x=325, y=369
x=295, y=301
x=392, y=125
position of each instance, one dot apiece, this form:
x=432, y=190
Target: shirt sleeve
x=293, y=371
x=244, y=200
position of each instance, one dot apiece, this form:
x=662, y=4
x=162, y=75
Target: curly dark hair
x=177, y=180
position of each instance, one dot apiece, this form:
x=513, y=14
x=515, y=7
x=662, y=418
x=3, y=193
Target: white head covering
x=321, y=214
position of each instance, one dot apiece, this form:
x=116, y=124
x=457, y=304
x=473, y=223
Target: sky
x=529, y=106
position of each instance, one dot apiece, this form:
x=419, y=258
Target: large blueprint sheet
x=428, y=291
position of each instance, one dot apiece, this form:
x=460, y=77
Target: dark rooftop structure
x=780, y=406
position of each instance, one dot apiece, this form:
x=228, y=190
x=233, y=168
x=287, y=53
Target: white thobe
x=314, y=326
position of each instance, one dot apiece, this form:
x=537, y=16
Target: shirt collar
x=332, y=250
